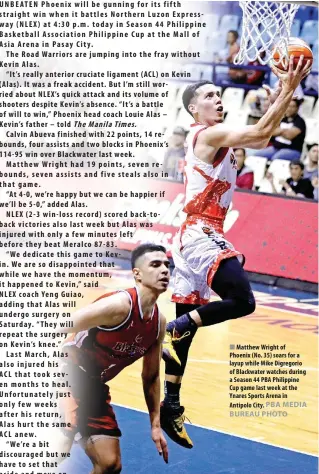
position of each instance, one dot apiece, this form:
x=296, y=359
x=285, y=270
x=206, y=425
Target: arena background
x=279, y=238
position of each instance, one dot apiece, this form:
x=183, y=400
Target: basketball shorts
x=85, y=406
x=197, y=252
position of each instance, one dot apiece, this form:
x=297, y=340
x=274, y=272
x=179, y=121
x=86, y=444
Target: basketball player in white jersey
x=204, y=259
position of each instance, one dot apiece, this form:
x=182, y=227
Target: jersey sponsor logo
x=215, y=238
x=207, y=230
x=128, y=350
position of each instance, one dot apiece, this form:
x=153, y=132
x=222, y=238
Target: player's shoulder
x=212, y=137
x=119, y=301
x=210, y=131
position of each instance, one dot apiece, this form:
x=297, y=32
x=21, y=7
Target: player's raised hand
x=293, y=76
x=160, y=442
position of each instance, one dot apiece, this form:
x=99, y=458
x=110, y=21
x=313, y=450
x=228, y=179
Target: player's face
x=292, y=109
x=178, y=139
x=207, y=107
x=231, y=38
x=153, y=271
x=313, y=154
x=295, y=172
x=240, y=157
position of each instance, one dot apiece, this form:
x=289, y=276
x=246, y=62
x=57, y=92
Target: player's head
x=203, y=102
x=240, y=154
x=232, y=37
x=150, y=267
x=293, y=107
x=313, y=153
x=296, y=169
x=178, y=137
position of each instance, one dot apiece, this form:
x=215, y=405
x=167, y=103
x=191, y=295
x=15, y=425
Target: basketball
x=296, y=47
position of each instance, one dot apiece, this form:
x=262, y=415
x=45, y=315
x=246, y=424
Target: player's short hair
x=189, y=93
x=235, y=33
x=297, y=163
x=297, y=101
x=145, y=248
x=242, y=149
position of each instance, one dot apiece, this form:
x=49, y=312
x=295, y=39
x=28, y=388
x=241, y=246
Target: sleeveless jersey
x=200, y=245
x=209, y=187
x=105, y=352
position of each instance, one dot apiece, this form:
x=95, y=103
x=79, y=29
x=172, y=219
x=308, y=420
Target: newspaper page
x=96, y=143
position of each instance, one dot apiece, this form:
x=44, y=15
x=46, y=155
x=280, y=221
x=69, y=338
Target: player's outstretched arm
x=152, y=389
x=258, y=135
x=110, y=311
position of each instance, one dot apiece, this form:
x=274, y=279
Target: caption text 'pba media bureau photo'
x=158, y=237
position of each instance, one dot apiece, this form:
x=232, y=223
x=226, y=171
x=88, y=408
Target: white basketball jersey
x=209, y=187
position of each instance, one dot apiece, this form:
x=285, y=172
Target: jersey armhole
x=115, y=328
x=221, y=152
x=196, y=136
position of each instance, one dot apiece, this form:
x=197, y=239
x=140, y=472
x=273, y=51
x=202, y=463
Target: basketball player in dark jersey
x=116, y=330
